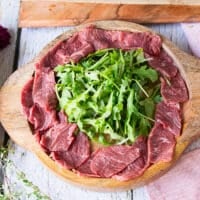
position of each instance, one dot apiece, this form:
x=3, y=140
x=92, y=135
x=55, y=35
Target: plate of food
x=108, y=105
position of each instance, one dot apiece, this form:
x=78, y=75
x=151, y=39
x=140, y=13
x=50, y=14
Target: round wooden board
x=18, y=128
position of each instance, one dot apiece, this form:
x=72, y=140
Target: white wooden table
x=25, y=45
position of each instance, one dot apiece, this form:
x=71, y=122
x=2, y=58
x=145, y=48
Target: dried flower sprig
x=7, y=192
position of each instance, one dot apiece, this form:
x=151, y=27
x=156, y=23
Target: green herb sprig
x=7, y=192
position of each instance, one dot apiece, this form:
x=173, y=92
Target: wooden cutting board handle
x=11, y=114
x=191, y=67
x=17, y=126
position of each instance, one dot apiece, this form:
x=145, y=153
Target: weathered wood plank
x=33, y=40
x=140, y=2
x=8, y=18
x=48, y=13
x=8, y=9
x=174, y=33
x=50, y=184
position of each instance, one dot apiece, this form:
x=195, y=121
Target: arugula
x=111, y=94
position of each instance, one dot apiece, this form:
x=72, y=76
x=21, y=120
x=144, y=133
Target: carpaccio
x=63, y=141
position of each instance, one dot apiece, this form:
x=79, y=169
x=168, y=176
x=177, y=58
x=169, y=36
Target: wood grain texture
x=6, y=65
x=49, y=13
x=53, y=186
x=23, y=135
x=139, y=2
x=7, y=9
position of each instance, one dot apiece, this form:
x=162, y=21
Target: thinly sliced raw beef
x=40, y=118
x=109, y=161
x=84, y=50
x=85, y=170
x=48, y=61
x=163, y=63
x=72, y=50
x=175, y=91
x=168, y=114
x=127, y=40
x=26, y=97
x=42, y=114
x=137, y=167
x=133, y=170
x=102, y=39
x=161, y=143
x=59, y=137
x=181, y=182
x=62, y=117
x=37, y=135
x=91, y=39
x=96, y=37
x=77, y=154
x=43, y=90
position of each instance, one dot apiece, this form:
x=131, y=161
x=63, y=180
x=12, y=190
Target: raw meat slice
x=109, y=161
x=43, y=90
x=37, y=136
x=77, y=154
x=96, y=37
x=163, y=63
x=73, y=51
x=168, y=114
x=85, y=170
x=59, y=137
x=26, y=97
x=175, y=91
x=39, y=100
x=62, y=117
x=137, y=167
x=91, y=39
x=41, y=119
x=102, y=39
x=133, y=170
x=161, y=144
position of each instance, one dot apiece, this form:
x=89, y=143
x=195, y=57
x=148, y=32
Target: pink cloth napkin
x=192, y=33
x=181, y=182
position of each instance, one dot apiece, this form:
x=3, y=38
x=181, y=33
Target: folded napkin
x=192, y=33
x=181, y=182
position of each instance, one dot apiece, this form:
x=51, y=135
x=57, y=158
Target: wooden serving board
x=67, y=12
x=18, y=128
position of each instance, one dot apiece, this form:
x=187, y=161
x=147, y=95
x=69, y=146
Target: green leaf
x=111, y=94
x=145, y=72
x=144, y=126
x=149, y=107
